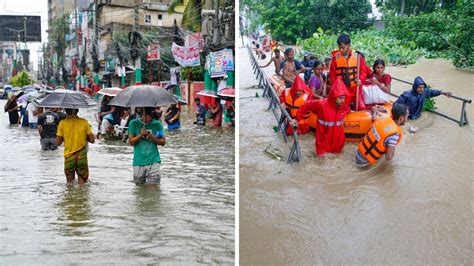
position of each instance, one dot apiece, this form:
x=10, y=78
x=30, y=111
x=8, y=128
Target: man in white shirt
x=32, y=115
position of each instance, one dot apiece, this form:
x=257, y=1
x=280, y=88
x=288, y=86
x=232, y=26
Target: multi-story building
x=97, y=23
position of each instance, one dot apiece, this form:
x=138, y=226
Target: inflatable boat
x=356, y=123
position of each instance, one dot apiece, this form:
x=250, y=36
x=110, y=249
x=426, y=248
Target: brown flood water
x=416, y=209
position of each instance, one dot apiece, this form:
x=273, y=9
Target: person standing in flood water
x=75, y=132
x=11, y=107
x=415, y=98
x=145, y=134
x=383, y=136
x=47, y=127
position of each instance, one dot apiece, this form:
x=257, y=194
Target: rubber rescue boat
x=356, y=123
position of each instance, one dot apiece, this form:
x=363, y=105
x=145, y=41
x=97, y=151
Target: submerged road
x=189, y=219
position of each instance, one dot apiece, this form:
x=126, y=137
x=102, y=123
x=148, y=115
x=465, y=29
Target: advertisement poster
x=221, y=62
x=153, y=52
x=186, y=55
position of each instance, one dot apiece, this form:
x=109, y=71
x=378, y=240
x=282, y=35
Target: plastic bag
x=373, y=94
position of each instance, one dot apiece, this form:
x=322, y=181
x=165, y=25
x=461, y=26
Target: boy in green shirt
x=144, y=134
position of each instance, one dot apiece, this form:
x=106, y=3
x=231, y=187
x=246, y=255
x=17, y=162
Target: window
x=160, y=20
x=148, y=19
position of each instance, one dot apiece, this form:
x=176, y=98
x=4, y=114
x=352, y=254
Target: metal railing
x=281, y=115
x=463, y=118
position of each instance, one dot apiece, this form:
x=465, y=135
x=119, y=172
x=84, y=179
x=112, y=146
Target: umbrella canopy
x=27, y=90
x=110, y=91
x=32, y=96
x=22, y=99
x=143, y=96
x=228, y=92
x=208, y=93
x=67, y=99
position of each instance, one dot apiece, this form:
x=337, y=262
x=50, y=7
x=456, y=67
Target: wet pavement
x=189, y=219
x=415, y=209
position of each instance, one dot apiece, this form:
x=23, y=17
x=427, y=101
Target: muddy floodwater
x=189, y=219
x=416, y=209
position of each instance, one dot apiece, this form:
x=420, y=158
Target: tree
x=21, y=80
x=445, y=33
x=289, y=20
x=415, y=7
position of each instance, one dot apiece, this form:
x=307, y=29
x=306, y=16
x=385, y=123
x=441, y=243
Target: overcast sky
x=31, y=8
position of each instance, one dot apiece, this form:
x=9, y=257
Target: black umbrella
x=67, y=99
x=143, y=96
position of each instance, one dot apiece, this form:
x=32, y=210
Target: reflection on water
x=414, y=209
x=188, y=219
x=74, y=211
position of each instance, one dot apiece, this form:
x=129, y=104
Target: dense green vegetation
x=413, y=28
x=373, y=43
x=444, y=33
x=20, y=80
x=288, y=20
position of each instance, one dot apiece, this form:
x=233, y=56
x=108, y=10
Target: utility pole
x=14, y=50
x=77, y=43
x=38, y=53
x=138, y=61
x=96, y=44
x=216, y=35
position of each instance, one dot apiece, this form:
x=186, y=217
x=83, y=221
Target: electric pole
x=77, y=43
x=138, y=61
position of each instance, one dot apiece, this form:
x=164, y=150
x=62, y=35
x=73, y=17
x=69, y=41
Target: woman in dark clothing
x=172, y=117
x=11, y=107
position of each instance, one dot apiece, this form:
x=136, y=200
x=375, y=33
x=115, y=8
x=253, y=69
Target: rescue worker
x=383, y=137
x=292, y=99
x=344, y=67
x=330, y=112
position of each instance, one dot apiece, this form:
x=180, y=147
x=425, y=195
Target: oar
x=358, y=77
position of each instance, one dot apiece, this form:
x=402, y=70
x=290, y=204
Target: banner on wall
x=220, y=62
x=186, y=55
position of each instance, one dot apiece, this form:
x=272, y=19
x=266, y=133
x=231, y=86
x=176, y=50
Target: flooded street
x=415, y=209
x=189, y=219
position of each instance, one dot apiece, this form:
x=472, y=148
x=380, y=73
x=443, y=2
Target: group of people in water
x=342, y=84
x=142, y=126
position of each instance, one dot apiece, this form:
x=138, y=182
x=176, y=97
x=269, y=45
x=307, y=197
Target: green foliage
x=373, y=43
x=415, y=7
x=429, y=104
x=288, y=20
x=197, y=73
x=20, y=80
x=192, y=17
x=444, y=33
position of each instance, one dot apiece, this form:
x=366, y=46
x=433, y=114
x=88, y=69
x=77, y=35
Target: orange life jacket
x=273, y=44
x=292, y=106
x=372, y=145
x=346, y=69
